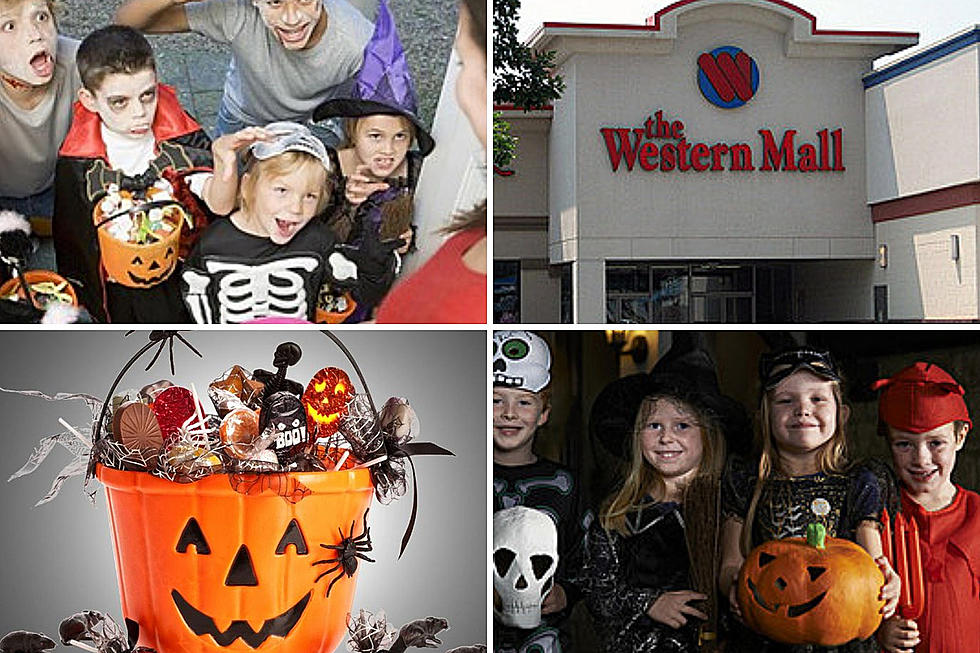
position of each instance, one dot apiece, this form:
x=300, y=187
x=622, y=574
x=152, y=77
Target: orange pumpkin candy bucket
x=238, y=562
x=138, y=241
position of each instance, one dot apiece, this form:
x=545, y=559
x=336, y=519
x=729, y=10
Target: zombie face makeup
x=381, y=142
x=298, y=24
x=127, y=104
x=28, y=40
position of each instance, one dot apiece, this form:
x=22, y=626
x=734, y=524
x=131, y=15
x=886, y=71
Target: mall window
x=567, y=298
x=506, y=292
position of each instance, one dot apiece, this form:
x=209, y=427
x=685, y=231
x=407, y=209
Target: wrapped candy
x=235, y=389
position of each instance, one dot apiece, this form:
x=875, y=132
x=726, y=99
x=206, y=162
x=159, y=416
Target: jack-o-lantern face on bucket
x=798, y=593
x=326, y=399
x=206, y=569
x=146, y=270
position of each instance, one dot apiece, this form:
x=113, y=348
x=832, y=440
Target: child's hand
x=407, y=237
x=554, y=601
x=671, y=607
x=891, y=589
x=733, y=600
x=898, y=635
x=360, y=186
x=225, y=148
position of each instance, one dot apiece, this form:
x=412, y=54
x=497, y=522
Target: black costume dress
x=622, y=576
x=784, y=510
x=552, y=489
x=82, y=175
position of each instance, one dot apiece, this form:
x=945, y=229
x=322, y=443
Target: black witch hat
x=686, y=372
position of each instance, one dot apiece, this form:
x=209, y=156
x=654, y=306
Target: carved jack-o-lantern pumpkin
x=205, y=569
x=140, y=265
x=326, y=399
x=817, y=590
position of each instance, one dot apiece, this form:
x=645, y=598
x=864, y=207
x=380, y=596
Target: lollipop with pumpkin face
x=325, y=399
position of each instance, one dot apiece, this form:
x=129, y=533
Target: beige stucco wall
x=924, y=282
x=525, y=193
x=924, y=128
x=596, y=212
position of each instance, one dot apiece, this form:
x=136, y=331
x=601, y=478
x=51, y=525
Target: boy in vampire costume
x=128, y=131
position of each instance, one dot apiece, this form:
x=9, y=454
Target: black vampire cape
x=81, y=178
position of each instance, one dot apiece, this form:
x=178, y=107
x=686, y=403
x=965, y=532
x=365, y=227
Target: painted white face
x=471, y=85
x=525, y=557
x=521, y=359
x=672, y=440
x=804, y=412
x=293, y=21
x=283, y=204
x=381, y=142
x=28, y=42
x=127, y=104
x=925, y=461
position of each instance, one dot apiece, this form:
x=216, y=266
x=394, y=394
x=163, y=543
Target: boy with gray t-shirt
x=288, y=56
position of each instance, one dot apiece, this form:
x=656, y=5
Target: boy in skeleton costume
x=374, y=206
x=128, y=131
x=521, y=404
x=270, y=257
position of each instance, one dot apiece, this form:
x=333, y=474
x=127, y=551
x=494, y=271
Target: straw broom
x=702, y=507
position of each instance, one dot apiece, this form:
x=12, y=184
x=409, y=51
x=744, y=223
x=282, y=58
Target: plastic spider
x=348, y=551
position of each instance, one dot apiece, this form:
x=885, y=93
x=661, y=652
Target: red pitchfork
x=906, y=560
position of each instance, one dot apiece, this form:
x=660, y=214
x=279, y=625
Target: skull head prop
x=525, y=557
x=521, y=360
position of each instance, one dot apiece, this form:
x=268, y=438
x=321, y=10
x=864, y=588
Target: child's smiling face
x=381, y=143
x=517, y=414
x=672, y=440
x=282, y=204
x=298, y=24
x=28, y=39
x=803, y=413
x=925, y=461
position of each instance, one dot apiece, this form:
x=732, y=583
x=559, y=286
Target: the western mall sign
x=629, y=147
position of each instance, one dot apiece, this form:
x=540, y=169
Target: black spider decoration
x=348, y=551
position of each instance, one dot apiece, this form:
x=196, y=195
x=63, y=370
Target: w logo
x=727, y=77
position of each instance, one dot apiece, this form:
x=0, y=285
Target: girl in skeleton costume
x=270, y=257
x=801, y=472
x=374, y=204
x=637, y=574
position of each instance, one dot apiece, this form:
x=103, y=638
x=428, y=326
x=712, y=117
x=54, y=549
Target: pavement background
x=196, y=66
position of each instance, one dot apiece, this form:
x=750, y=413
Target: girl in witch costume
x=650, y=560
x=270, y=257
x=374, y=205
x=922, y=414
x=802, y=469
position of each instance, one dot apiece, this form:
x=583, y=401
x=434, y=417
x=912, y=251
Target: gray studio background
x=57, y=558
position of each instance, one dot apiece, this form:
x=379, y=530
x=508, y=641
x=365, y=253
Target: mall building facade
x=729, y=161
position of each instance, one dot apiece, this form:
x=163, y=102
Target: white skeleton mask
x=521, y=360
x=525, y=557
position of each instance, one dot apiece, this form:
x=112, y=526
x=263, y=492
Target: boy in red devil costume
x=922, y=413
x=128, y=131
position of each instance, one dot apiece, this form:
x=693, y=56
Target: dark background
x=583, y=364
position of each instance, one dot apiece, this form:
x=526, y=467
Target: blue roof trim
x=926, y=56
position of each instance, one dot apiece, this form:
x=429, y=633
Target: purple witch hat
x=383, y=84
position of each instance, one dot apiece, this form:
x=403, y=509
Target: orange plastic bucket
x=135, y=265
x=335, y=317
x=187, y=556
x=11, y=286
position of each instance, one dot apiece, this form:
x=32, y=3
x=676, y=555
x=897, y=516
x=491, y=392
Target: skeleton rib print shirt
x=234, y=277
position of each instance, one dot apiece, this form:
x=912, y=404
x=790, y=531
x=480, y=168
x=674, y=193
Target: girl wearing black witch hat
x=638, y=577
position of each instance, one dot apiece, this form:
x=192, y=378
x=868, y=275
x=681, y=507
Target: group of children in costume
x=284, y=208
x=634, y=569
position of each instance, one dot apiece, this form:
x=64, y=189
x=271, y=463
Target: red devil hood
x=84, y=139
